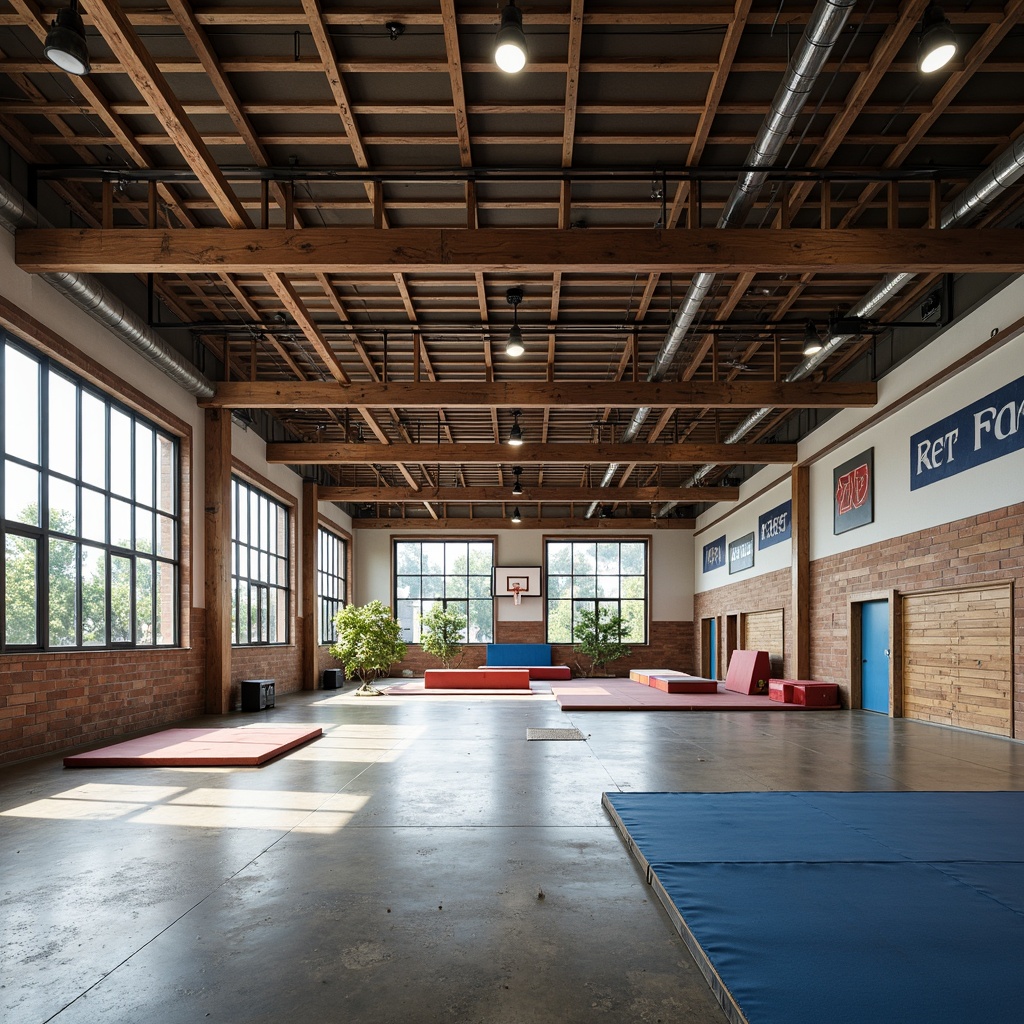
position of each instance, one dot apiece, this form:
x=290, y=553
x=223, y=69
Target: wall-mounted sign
x=853, y=489
x=775, y=526
x=985, y=430
x=741, y=553
x=714, y=555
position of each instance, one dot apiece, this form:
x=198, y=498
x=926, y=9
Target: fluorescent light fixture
x=65, y=43
x=937, y=44
x=510, y=42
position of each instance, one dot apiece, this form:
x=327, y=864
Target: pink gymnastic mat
x=625, y=695
x=183, y=748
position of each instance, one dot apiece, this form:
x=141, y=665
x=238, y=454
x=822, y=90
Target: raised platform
x=626, y=695
x=476, y=679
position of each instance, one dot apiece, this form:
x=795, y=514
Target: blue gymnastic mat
x=845, y=908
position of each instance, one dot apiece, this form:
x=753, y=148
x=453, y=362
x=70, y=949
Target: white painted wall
x=671, y=569
x=898, y=509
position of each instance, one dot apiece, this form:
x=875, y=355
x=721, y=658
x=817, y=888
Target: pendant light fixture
x=515, y=435
x=517, y=487
x=516, y=517
x=812, y=340
x=510, y=41
x=514, y=347
x=65, y=43
x=937, y=44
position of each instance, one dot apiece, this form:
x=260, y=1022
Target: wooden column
x=308, y=539
x=217, y=523
x=801, y=573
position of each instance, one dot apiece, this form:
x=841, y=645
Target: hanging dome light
x=514, y=347
x=517, y=487
x=812, y=340
x=510, y=41
x=937, y=44
x=516, y=517
x=515, y=435
x=65, y=43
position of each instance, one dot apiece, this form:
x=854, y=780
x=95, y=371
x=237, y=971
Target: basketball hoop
x=517, y=597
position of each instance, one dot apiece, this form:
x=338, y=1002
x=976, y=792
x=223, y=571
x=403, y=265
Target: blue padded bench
x=518, y=654
x=536, y=658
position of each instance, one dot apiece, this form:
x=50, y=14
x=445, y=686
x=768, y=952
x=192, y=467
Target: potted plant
x=369, y=642
x=599, y=636
x=441, y=633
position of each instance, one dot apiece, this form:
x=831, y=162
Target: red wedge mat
x=180, y=748
x=626, y=695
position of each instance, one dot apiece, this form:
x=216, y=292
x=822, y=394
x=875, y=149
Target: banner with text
x=985, y=430
x=714, y=554
x=775, y=526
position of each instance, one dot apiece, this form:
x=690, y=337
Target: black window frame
x=574, y=600
x=448, y=594
x=157, y=557
x=329, y=604
x=263, y=584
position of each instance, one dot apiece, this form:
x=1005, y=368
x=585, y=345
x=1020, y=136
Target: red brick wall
x=671, y=646
x=282, y=664
x=52, y=702
x=762, y=593
x=988, y=548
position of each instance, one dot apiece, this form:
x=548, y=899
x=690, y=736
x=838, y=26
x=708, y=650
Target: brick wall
x=762, y=593
x=671, y=646
x=988, y=548
x=52, y=702
x=282, y=664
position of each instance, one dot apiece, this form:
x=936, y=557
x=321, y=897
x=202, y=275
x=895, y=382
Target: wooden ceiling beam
x=461, y=524
x=530, y=495
x=504, y=250
x=324, y=453
x=432, y=394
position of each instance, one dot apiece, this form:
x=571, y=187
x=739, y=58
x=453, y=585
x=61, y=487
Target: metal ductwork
x=106, y=308
x=822, y=32
x=1006, y=170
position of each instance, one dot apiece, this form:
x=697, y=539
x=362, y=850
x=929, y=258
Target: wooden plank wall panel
x=958, y=658
x=763, y=631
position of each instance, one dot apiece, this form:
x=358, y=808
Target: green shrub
x=369, y=640
x=441, y=633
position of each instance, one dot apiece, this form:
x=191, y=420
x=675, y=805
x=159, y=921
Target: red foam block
x=815, y=695
x=749, y=672
x=476, y=679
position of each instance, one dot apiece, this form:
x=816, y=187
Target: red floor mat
x=625, y=695
x=179, y=748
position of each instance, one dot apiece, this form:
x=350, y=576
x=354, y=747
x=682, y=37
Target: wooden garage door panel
x=957, y=658
x=763, y=631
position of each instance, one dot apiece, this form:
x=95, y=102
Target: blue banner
x=985, y=430
x=775, y=526
x=714, y=555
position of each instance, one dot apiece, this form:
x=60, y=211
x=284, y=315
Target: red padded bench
x=749, y=672
x=476, y=679
x=807, y=692
x=682, y=684
x=543, y=671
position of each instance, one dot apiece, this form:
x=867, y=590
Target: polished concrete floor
x=420, y=862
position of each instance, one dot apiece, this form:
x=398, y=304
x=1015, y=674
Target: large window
x=331, y=585
x=455, y=573
x=259, y=567
x=91, y=521
x=596, y=575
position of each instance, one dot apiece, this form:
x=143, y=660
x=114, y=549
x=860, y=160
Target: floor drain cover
x=554, y=734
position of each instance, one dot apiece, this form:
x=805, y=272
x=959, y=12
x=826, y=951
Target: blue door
x=712, y=649
x=874, y=655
